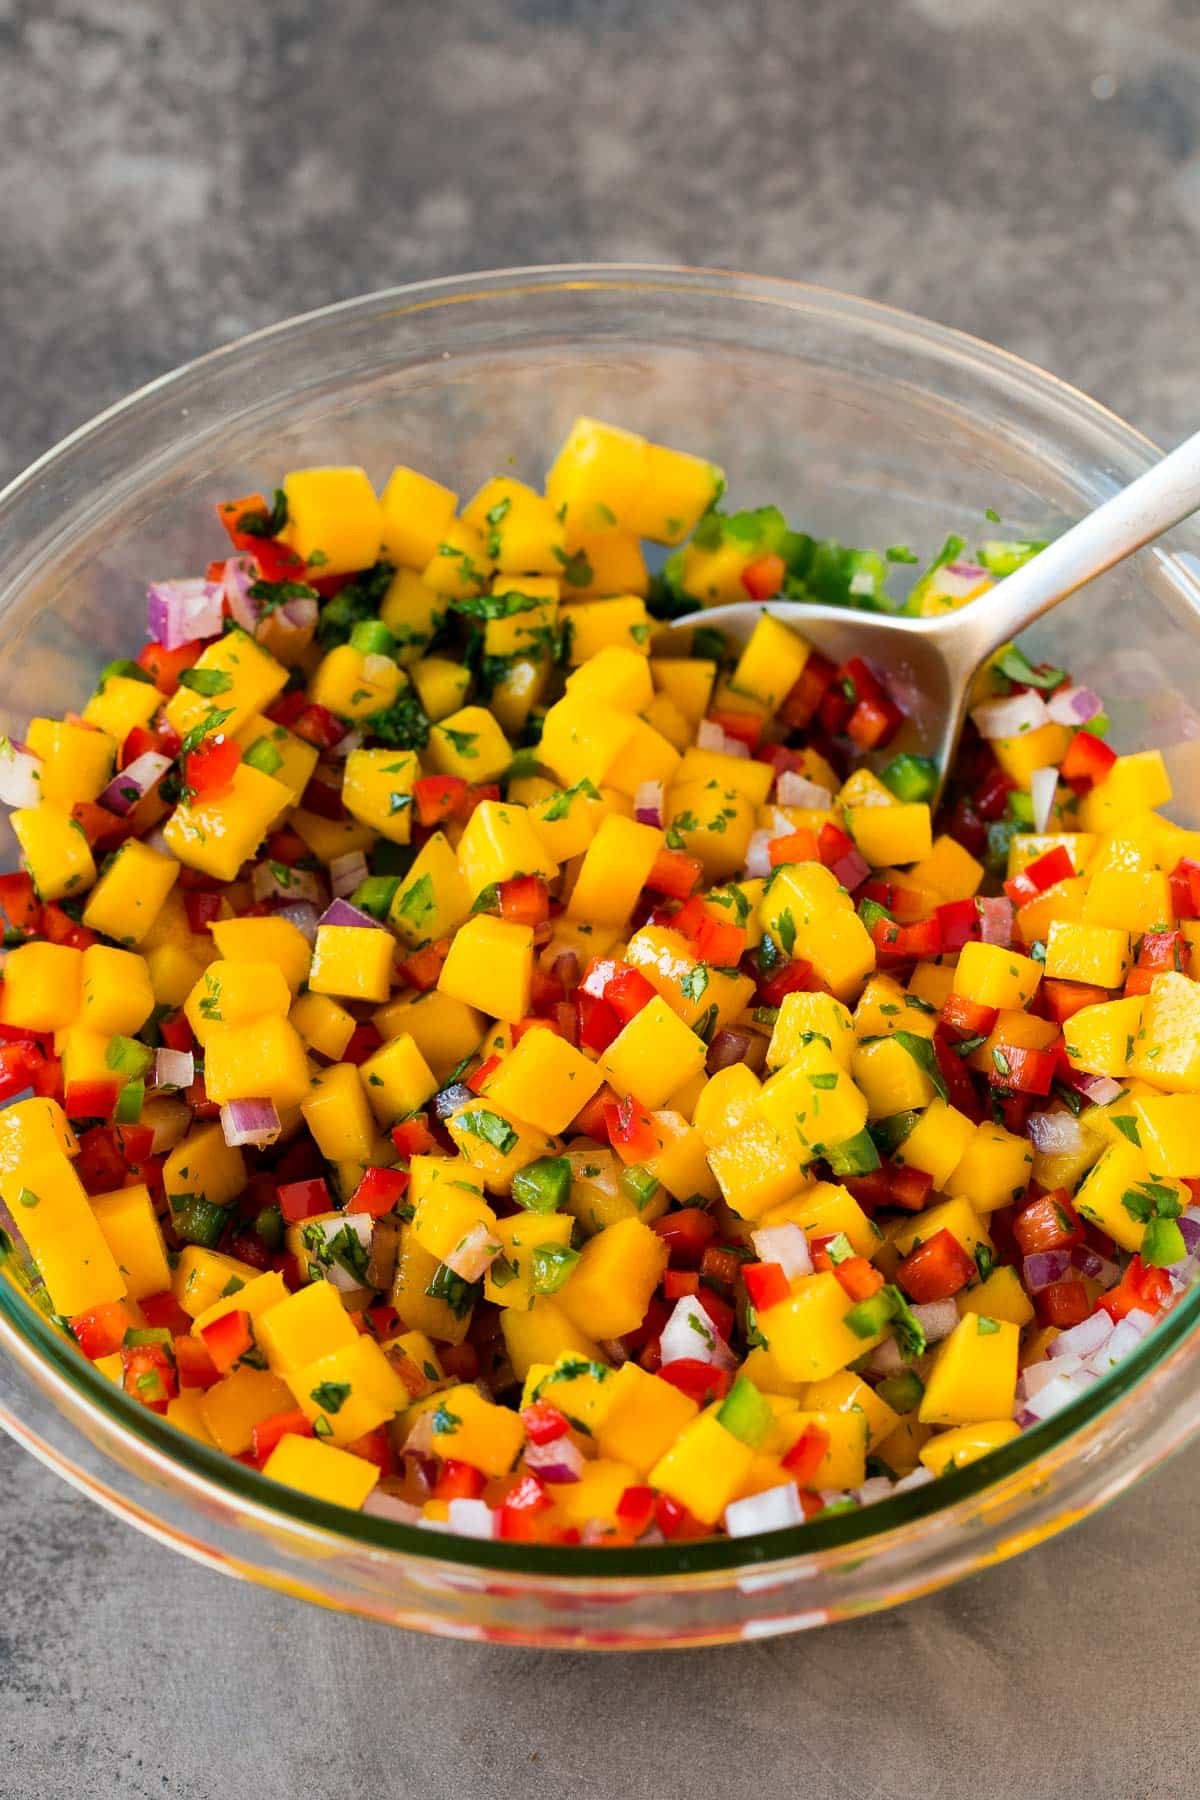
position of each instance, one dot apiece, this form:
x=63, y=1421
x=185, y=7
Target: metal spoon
x=930, y=663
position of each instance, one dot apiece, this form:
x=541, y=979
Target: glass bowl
x=859, y=421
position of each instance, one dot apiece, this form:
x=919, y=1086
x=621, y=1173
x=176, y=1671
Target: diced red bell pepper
x=960, y=1086
x=525, y=900
x=853, y=682
x=375, y=1447
x=379, y=1191
x=208, y=771
x=794, y=847
x=872, y=1190
x=422, y=969
x=102, y=829
x=1137, y=982
x=101, y=1330
x=1140, y=1289
x=804, y=1459
x=687, y=1233
x=1087, y=762
x=267, y=1434
x=1043, y=872
x=874, y=722
x=1022, y=1070
x=763, y=578
x=412, y=1137
x=635, y=1509
x=965, y=1018
x=1163, y=950
x=803, y=699
x=677, y=1283
x=19, y=907
x=908, y=1188
x=164, y=667
x=895, y=943
x=318, y=726
x=703, y=1382
x=991, y=799
x=543, y=1423
x=745, y=727
x=720, y=1265
x=300, y=1200
x=592, y=1120
x=596, y=1022
x=202, y=910
x=858, y=1277
x=675, y=874
x=227, y=1339
x=528, y=1496
x=721, y=943
x=58, y=927
x=148, y=1375
x=483, y=1074
x=324, y=800
x=1063, y=999
x=627, y=991
x=19, y=1064
x=1185, y=888
x=1062, y=1303
x=193, y=1364
x=936, y=1270
x=458, y=1480
x=1047, y=1222
x=91, y=1099
x=676, y=1522
x=959, y=923
x=795, y=977
x=766, y=1284
x=842, y=857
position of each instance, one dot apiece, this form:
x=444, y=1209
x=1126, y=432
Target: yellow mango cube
x=966, y=1444
x=334, y=520
x=714, y=824
x=200, y=1278
x=1101, y=1039
x=952, y=871
x=54, y=850
x=510, y=1280
x=812, y=1102
x=132, y=1232
x=474, y=1430
x=273, y=940
x=688, y=681
x=807, y=1334
x=377, y=788
x=490, y=966
x=756, y=1170
x=42, y=988
x=994, y=1170
x=77, y=760
x=321, y=1471
x=233, y=994
x=803, y=1017
x=1134, y=783
x=704, y=1468
x=844, y=1464
x=1167, y=1046
x=891, y=834
x=541, y=1335
x=1093, y=953
x=594, y=625
x=445, y=1030
x=611, y=1285
x=996, y=977
x=120, y=703
x=545, y=1080
x=640, y=1417
x=469, y=743
x=397, y=1079
x=263, y=1059
x=653, y=1055
x=205, y=1167
x=614, y=871
x=810, y=916
x=421, y=1310
x=338, y=1116
x=771, y=663
x=497, y=1145
x=352, y=962
x=413, y=613
x=522, y=531
x=239, y=679
x=354, y=684
x=1042, y=748
x=1169, y=1127
x=616, y=675
x=582, y=738
x=217, y=835
x=310, y=1323
x=348, y=1391
x=234, y=1406
x=432, y=900
x=1001, y=1296
x=826, y=1209
x=278, y=752
x=52, y=1212
x=1129, y=900
x=974, y=1374
x=129, y=896
x=955, y=1216
x=415, y=512
x=498, y=843
x=891, y=1079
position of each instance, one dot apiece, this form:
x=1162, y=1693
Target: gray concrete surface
x=171, y=177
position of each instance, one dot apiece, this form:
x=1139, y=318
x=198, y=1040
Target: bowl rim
x=38, y=1346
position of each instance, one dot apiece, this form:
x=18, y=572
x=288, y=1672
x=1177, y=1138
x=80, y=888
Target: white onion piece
x=474, y=1254
x=253, y=1122
x=174, y=1069
x=1058, y=1393
x=786, y=1245
x=690, y=1333
x=1083, y=1339
x=1056, y=1133
x=559, y=1461
x=916, y=1478
x=348, y=872
x=303, y=916
x=1013, y=716
x=758, y=855
x=1074, y=706
x=773, y=1510
x=134, y=783
x=878, y=1487
x=996, y=920
x=363, y=1227
x=241, y=573
x=471, y=1518
x=937, y=1319
x=1043, y=785
x=179, y=612
x=711, y=736
x=20, y=774
x=792, y=789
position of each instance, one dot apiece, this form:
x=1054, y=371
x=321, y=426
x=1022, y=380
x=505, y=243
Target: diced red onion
x=174, y=1069
x=302, y=615
x=1097, y=1090
x=179, y=612
x=886, y=1358
x=916, y=1478
x=728, y=1047
x=390, y=1506
x=774, y=1509
x=340, y=912
x=878, y=1487
x=797, y=790
x=241, y=573
x=1140, y=1321
x=1189, y=1227
x=565, y=969
x=474, y=1254
x=1043, y=786
x=758, y=854
x=1056, y=1133
x=1035, y=1377
x=1013, y=716
x=689, y=1333
x=253, y=1122
x=267, y=883
x=969, y=573
x=1058, y=1393
x=352, y=740
x=559, y=1461
x=303, y=916
x=711, y=736
x=786, y=1245
x=648, y=803
x=1093, y=1266
x=1045, y=1267
x=1074, y=706
x=471, y=1518
x=134, y=783
x=1083, y=1339
x=347, y=872
x=937, y=1319
x=20, y=774
x=996, y=920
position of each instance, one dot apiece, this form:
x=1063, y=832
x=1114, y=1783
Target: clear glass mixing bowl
x=861, y=422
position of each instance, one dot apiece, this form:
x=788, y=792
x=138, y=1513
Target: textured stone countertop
x=173, y=177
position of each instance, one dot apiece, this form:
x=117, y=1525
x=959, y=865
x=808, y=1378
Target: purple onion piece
x=1044, y=1267
x=340, y=912
x=134, y=783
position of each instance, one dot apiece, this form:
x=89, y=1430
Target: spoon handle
x=1149, y=506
